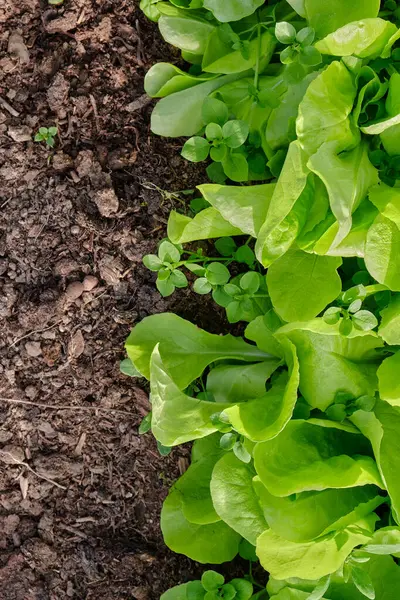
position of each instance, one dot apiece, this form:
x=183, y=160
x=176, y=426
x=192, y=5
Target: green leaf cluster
x=47, y=134
x=296, y=424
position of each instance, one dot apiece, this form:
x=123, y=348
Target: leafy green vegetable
x=325, y=18
x=237, y=383
x=314, y=455
x=343, y=363
x=234, y=498
x=188, y=349
x=194, y=484
x=389, y=381
x=310, y=560
x=213, y=543
x=180, y=113
x=232, y=10
x=281, y=226
x=325, y=109
x=264, y=417
x=184, y=30
x=364, y=39
x=206, y=224
x=382, y=427
x=347, y=178
x=301, y=284
x=177, y=417
x=313, y=514
x=382, y=256
x=244, y=208
x=296, y=431
x=389, y=329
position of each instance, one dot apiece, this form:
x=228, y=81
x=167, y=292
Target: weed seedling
x=46, y=134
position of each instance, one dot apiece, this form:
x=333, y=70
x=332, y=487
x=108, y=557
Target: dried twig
x=8, y=107
x=32, y=332
x=95, y=111
x=66, y=407
x=24, y=464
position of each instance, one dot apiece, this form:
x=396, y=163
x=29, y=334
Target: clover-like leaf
x=202, y=286
x=285, y=32
x=196, y=149
x=217, y=273
x=364, y=320
x=152, y=262
x=235, y=133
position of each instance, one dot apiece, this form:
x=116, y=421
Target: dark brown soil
x=80, y=491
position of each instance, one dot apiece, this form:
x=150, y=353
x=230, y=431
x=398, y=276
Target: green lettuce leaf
x=301, y=285
x=264, y=417
x=282, y=226
x=382, y=252
x=238, y=383
x=382, y=570
x=177, y=417
x=364, y=39
x=389, y=329
x=209, y=223
x=385, y=541
x=179, y=114
x=325, y=17
x=325, y=109
x=232, y=10
x=164, y=79
x=213, y=543
x=261, y=331
x=194, y=484
x=311, y=560
x=389, y=380
x=186, y=350
x=183, y=29
x=346, y=364
x=234, y=498
x=245, y=208
x=313, y=514
x=315, y=455
x=382, y=429
x=176, y=593
x=384, y=574
x=281, y=125
x=347, y=177
x=219, y=57
x=387, y=201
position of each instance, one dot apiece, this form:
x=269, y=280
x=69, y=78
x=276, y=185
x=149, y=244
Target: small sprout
x=46, y=134
x=299, y=52
x=55, y=2
x=145, y=425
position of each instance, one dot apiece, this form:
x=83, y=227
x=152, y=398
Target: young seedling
x=299, y=52
x=350, y=313
x=223, y=139
x=47, y=135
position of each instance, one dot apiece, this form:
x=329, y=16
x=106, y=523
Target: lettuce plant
x=294, y=425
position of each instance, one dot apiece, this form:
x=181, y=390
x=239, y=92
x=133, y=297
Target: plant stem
x=258, y=54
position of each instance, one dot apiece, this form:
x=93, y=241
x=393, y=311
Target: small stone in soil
x=20, y=134
x=90, y=282
x=62, y=162
x=33, y=349
x=74, y=290
x=106, y=201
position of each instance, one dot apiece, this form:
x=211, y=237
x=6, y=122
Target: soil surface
x=80, y=490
